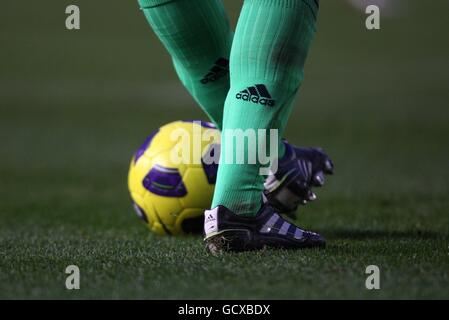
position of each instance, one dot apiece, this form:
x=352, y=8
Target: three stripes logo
x=256, y=94
x=220, y=69
x=210, y=217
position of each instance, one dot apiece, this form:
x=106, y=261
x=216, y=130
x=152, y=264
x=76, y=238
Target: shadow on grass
x=383, y=234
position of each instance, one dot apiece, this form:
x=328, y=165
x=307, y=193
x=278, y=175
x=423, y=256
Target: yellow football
x=172, y=176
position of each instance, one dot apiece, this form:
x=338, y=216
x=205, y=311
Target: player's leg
x=267, y=59
x=197, y=35
x=270, y=47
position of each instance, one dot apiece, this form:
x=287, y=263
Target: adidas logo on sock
x=220, y=69
x=256, y=94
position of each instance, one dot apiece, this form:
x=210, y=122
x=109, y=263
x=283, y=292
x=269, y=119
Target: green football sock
x=266, y=69
x=198, y=37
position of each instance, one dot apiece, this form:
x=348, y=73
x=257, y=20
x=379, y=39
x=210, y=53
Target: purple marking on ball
x=165, y=182
x=144, y=145
x=140, y=212
x=204, y=124
x=211, y=169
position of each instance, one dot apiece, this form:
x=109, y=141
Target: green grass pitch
x=76, y=104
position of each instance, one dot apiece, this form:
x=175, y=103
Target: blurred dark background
x=79, y=102
x=74, y=105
